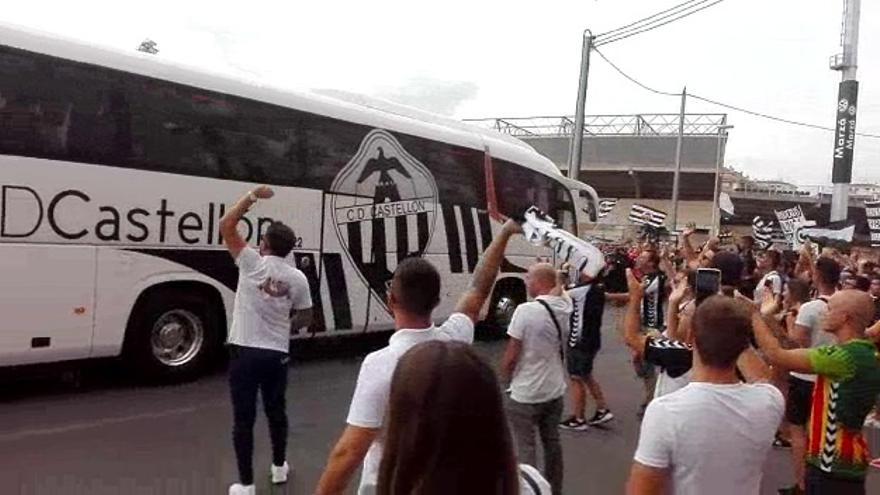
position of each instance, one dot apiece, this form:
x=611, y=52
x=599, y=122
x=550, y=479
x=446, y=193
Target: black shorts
x=819, y=482
x=800, y=398
x=580, y=362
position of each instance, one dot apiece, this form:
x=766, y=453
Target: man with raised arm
x=414, y=293
x=713, y=435
x=848, y=381
x=271, y=301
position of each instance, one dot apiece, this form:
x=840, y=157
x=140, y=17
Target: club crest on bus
x=384, y=207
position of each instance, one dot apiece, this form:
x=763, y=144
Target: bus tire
x=173, y=336
x=509, y=293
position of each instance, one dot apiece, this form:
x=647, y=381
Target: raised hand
x=263, y=192
x=680, y=292
x=769, y=304
x=634, y=285
x=512, y=227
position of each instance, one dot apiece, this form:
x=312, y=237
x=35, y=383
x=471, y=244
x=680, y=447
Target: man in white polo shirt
x=271, y=300
x=533, y=365
x=414, y=293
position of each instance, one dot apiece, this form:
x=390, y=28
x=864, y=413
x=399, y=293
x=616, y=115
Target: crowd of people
x=781, y=352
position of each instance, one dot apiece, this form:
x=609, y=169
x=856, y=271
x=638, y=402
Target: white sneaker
x=239, y=489
x=279, y=473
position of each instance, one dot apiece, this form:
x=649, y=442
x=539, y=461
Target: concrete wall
x=636, y=152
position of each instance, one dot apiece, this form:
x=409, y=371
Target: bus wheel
x=508, y=295
x=173, y=337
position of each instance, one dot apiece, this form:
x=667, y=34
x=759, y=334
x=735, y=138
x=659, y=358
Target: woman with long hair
x=446, y=431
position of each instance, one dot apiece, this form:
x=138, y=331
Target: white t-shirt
x=539, y=375
x=810, y=316
x=666, y=384
x=269, y=287
x=775, y=279
x=713, y=438
x=370, y=399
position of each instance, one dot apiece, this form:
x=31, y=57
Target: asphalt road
x=112, y=437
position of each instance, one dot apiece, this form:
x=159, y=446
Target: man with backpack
x=533, y=366
x=583, y=343
x=807, y=333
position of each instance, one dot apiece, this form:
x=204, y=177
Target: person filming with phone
x=675, y=357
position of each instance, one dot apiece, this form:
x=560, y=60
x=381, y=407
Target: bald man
x=532, y=364
x=848, y=381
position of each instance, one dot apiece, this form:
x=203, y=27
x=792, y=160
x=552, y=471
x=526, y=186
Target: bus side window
x=519, y=188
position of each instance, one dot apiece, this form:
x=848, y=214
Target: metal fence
x=657, y=124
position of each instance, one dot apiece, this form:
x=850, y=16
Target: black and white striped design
x=583, y=257
x=663, y=343
x=644, y=215
x=872, y=212
x=829, y=447
x=462, y=223
x=766, y=232
x=606, y=206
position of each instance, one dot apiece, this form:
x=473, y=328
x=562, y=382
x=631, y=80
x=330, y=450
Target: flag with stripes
x=762, y=231
x=644, y=215
x=606, y=206
x=872, y=212
x=828, y=235
x=580, y=255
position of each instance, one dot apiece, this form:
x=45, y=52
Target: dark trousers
x=821, y=483
x=252, y=369
x=543, y=419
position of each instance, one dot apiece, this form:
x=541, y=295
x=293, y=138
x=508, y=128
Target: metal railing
x=658, y=124
x=815, y=192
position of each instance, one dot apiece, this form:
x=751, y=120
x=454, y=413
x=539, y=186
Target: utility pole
x=577, y=137
x=847, y=98
x=677, y=177
x=722, y=136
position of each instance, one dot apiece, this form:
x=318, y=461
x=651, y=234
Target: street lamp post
x=722, y=135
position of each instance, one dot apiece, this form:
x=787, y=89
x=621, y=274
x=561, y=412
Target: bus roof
x=331, y=103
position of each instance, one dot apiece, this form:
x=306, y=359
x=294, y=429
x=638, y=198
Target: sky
x=488, y=58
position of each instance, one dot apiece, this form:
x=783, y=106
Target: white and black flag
x=606, y=206
x=872, y=212
x=762, y=231
x=582, y=256
x=644, y=215
x=830, y=234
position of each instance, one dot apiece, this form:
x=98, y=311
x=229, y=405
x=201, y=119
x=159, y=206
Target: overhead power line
x=651, y=17
x=659, y=19
x=722, y=104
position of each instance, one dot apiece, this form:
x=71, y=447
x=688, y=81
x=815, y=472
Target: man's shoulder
x=529, y=310
x=814, y=305
x=379, y=360
x=457, y=321
x=766, y=390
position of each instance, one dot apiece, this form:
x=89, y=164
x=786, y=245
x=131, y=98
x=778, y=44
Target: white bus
x=115, y=169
